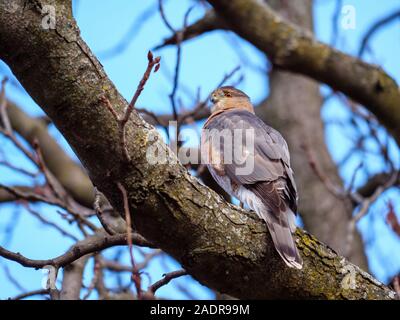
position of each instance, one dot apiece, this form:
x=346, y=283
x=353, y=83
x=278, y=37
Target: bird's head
x=226, y=98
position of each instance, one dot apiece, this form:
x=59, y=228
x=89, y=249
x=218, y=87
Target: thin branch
x=31, y=294
x=334, y=189
x=100, y=213
x=374, y=28
x=152, y=62
x=199, y=112
x=44, y=197
x=364, y=208
x=209, y=22
x=335, y=22
x=163, y=16
x=203, y=104
x=96, y=276
x=165, y=280
x=18, y=169
x=19, y=145
x=132, y=32
x=374, y=182
x=12, y=279
x=7, y=129
x=121, y=121
x=89, y=245
x=3, y=106
x=115, y=266
x=135, y=274
x=392, y=220
x=179, y=38
x=49, y=223
x=52, y=182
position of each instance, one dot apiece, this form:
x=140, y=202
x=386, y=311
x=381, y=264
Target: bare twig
x=12, y=279
x=122, y=120
x=52, y=182
x=179, y=37
x=18, y=169
x=96, y=276
x=165, y=280
x=335, y=22
x=391, y=219
x=30, y=294
x=49, y=223
x=115, y=266
x=132, y=32
x=374, y=28
x=100, y=214
x=198, y=112
x=208, y=23
x=336, y=190
x=41, y=195
x=353, y=178
x=374, y=182
x=364, y=207
x=3, y=107
x=89, y=245
x=203, y=104
x=152, y=62
x=135, y=274
x=6, y=130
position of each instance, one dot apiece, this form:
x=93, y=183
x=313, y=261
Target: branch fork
x=123, y=119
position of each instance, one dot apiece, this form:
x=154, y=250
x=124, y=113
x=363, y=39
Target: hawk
x=251, y=161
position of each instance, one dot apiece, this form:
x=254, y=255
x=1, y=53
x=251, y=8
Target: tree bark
x=72, y=279
x=224, y=247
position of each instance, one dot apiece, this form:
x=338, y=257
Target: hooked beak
x=213, y=99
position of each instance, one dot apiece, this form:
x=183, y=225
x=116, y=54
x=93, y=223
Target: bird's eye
x=227, y=94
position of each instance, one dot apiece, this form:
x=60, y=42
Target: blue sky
x=205, y=61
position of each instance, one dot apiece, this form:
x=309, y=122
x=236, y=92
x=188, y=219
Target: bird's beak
x=213, y=99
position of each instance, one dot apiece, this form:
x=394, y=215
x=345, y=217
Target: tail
x=281, y=226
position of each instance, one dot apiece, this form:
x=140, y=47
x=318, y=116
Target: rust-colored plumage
x=251, y=161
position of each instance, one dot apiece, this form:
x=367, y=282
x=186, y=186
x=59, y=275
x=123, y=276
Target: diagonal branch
x=375, y=27
x=89, y=245
x=209, y=22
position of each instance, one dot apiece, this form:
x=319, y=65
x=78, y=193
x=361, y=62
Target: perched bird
x=251, y=162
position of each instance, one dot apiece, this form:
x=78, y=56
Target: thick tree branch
x=222, y=246
x=293, y=49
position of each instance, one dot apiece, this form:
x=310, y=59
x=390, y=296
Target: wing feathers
x=280, y=219
x=281, y=233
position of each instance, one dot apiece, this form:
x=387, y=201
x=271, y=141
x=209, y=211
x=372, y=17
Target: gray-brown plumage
x=251, y=161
